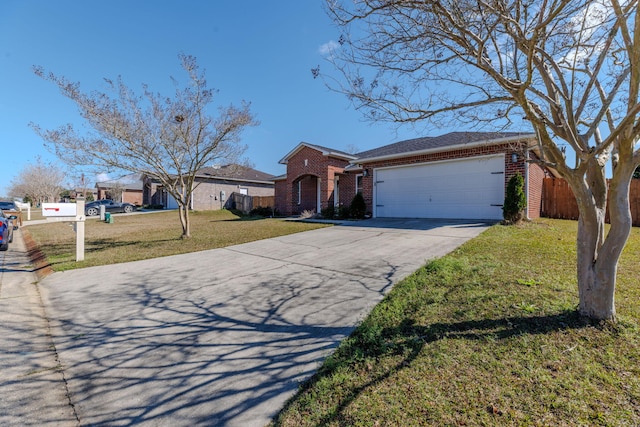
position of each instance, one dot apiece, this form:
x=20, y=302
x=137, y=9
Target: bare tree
x=571, y=69
x=39, y=182
x=165, y=138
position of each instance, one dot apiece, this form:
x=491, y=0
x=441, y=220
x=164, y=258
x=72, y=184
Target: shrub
x=343, y=212
x=358, y=206
x=329, y=212
x=515, y=200
x=264, y=211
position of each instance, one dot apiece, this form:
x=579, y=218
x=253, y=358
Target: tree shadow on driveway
x=206, y=353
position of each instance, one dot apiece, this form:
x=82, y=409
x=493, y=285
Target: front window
x=359, y=183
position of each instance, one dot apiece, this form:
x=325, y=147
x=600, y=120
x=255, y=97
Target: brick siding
x=326, y=168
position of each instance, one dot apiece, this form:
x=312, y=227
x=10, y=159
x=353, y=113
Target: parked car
x=11, y=209
x=8, y=206
x=93, y=208
x=6, y=230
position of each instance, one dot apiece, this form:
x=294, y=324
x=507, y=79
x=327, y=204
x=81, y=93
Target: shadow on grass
x=408, y=340
x=242, y=218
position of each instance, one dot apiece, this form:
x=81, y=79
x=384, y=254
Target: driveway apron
x=224, y=337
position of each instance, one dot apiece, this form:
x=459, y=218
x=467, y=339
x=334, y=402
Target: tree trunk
x=598, y=256
x=183, y=210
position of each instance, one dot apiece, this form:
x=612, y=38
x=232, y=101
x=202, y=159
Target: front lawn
x=136, y=237
x=487, y=336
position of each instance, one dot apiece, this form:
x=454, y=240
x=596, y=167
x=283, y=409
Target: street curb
x=40, y=265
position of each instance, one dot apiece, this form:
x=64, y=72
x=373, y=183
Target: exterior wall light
x=514, y=158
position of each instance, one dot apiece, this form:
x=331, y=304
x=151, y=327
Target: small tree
x=39, y=182
x=358, y=206
x=515, y=201
x=165, y=138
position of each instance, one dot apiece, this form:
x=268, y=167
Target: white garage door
x=462, y=189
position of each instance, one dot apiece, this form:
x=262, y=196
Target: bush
x=264, y=211
x=515, y=201
x=328, y=213
x=343, y=212
x=152, y=206
x=358, y=206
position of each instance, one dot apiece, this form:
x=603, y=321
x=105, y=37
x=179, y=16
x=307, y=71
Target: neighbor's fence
x=245, y=203
x=558, y=200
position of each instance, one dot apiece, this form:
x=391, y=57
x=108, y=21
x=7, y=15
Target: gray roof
x=435, y=143
x=236, y=173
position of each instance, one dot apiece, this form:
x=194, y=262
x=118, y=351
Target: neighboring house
x=460, y=175
x=86, y=192
x=126, y=189
x=214, y=187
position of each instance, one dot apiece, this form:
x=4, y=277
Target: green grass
x=487, y=336
x=136, y=237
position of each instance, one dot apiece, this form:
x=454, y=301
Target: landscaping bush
x=358, y=206
x=343, y=212
x=328, y=213
x=264, y=211
x=515, y=201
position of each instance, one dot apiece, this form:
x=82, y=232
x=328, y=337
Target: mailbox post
x=79, y=223
x=69, y=212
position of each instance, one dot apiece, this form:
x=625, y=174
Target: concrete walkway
x=224, y=337
x=32, y=387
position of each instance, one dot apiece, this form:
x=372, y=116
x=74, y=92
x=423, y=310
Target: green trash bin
x=108, y=218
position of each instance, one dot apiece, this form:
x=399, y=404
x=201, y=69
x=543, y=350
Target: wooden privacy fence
x=558, y=200
x=245, y=203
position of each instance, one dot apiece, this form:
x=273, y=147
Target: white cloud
x=328, y=48
x=102, y=177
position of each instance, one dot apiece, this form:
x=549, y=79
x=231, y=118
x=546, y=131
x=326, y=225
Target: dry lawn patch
x=144, y=236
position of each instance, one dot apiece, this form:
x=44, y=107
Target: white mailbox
x=69, y=212
x=59, y=209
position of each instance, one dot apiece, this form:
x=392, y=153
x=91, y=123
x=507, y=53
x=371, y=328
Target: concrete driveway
x=224, y=337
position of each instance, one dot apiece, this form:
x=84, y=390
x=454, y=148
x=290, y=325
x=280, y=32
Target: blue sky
x=253, y=50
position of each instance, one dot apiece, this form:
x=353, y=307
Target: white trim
x=318, y=204
x=359, y=176
x=299, y=191
x=324, y=152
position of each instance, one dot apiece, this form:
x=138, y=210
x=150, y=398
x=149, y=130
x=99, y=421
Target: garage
x=469, y=188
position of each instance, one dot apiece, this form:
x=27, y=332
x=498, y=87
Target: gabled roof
x=449, y=141
x=326, y=151
x=235, y=173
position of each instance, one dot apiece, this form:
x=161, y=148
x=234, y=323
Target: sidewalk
x=32, y=387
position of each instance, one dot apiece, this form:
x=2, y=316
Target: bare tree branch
x=165, y=138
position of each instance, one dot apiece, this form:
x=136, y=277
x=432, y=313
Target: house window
x=359, y=183
x=244, y=191
x=299, y=191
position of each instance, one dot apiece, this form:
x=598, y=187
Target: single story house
x=459, y=175
x=214, y=187
x=126, y=189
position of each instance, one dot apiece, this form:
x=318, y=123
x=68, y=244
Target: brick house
x=127, y=189
x=461, y=175
x=214, y=187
